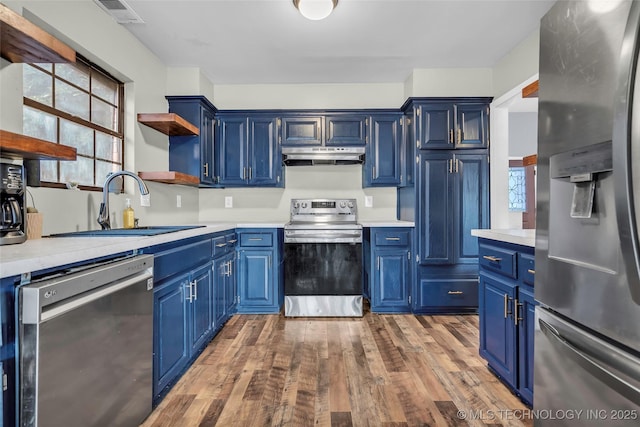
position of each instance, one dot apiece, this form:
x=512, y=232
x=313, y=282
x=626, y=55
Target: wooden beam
x=23, y=41
x=530, y=160
x=17, y=146
x=531, y=90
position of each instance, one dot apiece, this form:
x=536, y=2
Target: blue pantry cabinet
x=452, y=125
x=383, y=155
x=247, y=152
x=260, y=285
x=389, y=272
x=507, y=313
x=194, y=155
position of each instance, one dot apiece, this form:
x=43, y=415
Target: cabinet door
x=382, y=160
x=345, y=130
x=232, y=151
x=526, y=331
x=436, y=210
x=220, y=269
x=472, y=126
x=170, y=312
x=255, y=281
x=230, y=286
x=208, y=173
x=471, y=205
x=436, y=122
x=201, y=286
x=391, y=277
x=265, y=164
x=302, y=130
x=497, y=328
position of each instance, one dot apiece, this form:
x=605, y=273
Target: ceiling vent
x=120, y=11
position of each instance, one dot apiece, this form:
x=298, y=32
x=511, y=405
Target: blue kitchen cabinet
x=230, y=286
x=201, y=301
x=452, y=123
x=259, y=271
x=383, y=156
x=224, y=277
x=220, y=269
x=248, y=153
x=453, y=199
x=507, y=313
x=194, y=155
x=345, y=129
x=301, y=130
x=390, y=269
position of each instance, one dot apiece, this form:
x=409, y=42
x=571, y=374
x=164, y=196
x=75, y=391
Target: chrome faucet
x=103, y=215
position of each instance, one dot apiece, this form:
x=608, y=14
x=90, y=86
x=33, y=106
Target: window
x=517, y=189
x=79, y=105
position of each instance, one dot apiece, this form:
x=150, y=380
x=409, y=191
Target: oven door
x=323, y=279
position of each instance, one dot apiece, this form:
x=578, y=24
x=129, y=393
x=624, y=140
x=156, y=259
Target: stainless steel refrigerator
x=587, y=339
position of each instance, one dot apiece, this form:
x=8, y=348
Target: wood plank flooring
x=380, y=370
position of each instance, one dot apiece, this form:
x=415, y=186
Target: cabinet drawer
x=526, y=268
x=256, y=239
x=231, y=240
x=456, y=293
x=392, y=238
x=181, y=258
x=497, y=259
x=219, y=245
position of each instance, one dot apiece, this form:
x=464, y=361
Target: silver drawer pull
x=232, y=241
x=393, y=238
x=455, y=292
x=219, y=245
x=255, y=239
x=531, y=271
x=492, y=258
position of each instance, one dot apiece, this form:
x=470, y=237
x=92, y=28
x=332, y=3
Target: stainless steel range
x=323, y=259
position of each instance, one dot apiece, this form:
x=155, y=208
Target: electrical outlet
x=228, y=202
x=178, y=201
x=368, y=201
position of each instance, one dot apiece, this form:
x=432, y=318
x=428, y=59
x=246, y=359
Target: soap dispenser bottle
x=127, y=215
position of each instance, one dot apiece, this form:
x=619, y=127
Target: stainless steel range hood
x=309, y=156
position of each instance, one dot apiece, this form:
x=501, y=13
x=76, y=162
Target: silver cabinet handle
x=190, y=297
x=516, y=310
x=492, y=258
x=531, y=271
x=255, y=239
x=392, y=238
x=219, y=245
x=232, y=241
x=455, y=292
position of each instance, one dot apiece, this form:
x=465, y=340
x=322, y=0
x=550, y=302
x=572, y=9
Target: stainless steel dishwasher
x=86, y=346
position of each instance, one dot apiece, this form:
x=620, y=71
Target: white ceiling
x=362, y=41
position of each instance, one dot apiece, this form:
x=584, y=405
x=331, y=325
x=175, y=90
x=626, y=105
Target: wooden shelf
x=530, y=160
x=17, y=146
x=23, y=41
x=168, y=123
x=170, y=177
x=531, y=90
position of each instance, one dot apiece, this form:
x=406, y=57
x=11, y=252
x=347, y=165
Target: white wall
x=523, y=134
x=517, y=66
x=450, y=82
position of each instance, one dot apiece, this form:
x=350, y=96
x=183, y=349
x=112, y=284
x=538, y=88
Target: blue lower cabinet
x=200, y=298
x=388, y=264
x=259, y=278
x=230, y=286
x=171, y=334
x=497, y=327
x=220, y=268
x=526, y=331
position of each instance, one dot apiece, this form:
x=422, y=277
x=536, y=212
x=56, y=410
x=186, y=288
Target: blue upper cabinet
x=302, y=130
x=345, y=129
x=451, y=123
x=383, y=160
x=194, y=155
x=247, y=152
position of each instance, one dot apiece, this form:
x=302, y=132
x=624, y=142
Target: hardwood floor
x=380, y=370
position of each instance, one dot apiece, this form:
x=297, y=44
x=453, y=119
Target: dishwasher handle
x=56, y=310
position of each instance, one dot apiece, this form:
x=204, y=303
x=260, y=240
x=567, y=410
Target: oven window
x=323, y=269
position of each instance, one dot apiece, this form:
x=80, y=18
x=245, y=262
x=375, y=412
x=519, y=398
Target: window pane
x=72, y=100
x=104, y=114
x=49, y=170
x=108, y=147
x=75, y=135
x=517, y=190
x=39, y=124
x=105, y=88
x=102, y=170
x=36, y=84
x=80, y=171
x=77, y=73
x=48, y=67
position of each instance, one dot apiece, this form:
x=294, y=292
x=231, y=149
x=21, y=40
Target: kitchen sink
x=151, y=230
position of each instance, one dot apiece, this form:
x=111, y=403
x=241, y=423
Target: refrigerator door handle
x=596, y=368
x=626, y=150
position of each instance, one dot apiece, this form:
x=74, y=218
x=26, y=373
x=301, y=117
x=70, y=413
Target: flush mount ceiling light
x=315, y=9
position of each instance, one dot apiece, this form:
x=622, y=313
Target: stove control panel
x=338, y=207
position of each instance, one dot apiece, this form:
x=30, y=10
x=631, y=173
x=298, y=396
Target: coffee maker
x=13, y=215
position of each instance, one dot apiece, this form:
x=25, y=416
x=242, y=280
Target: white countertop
x=390, y=223
x=516, y=236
